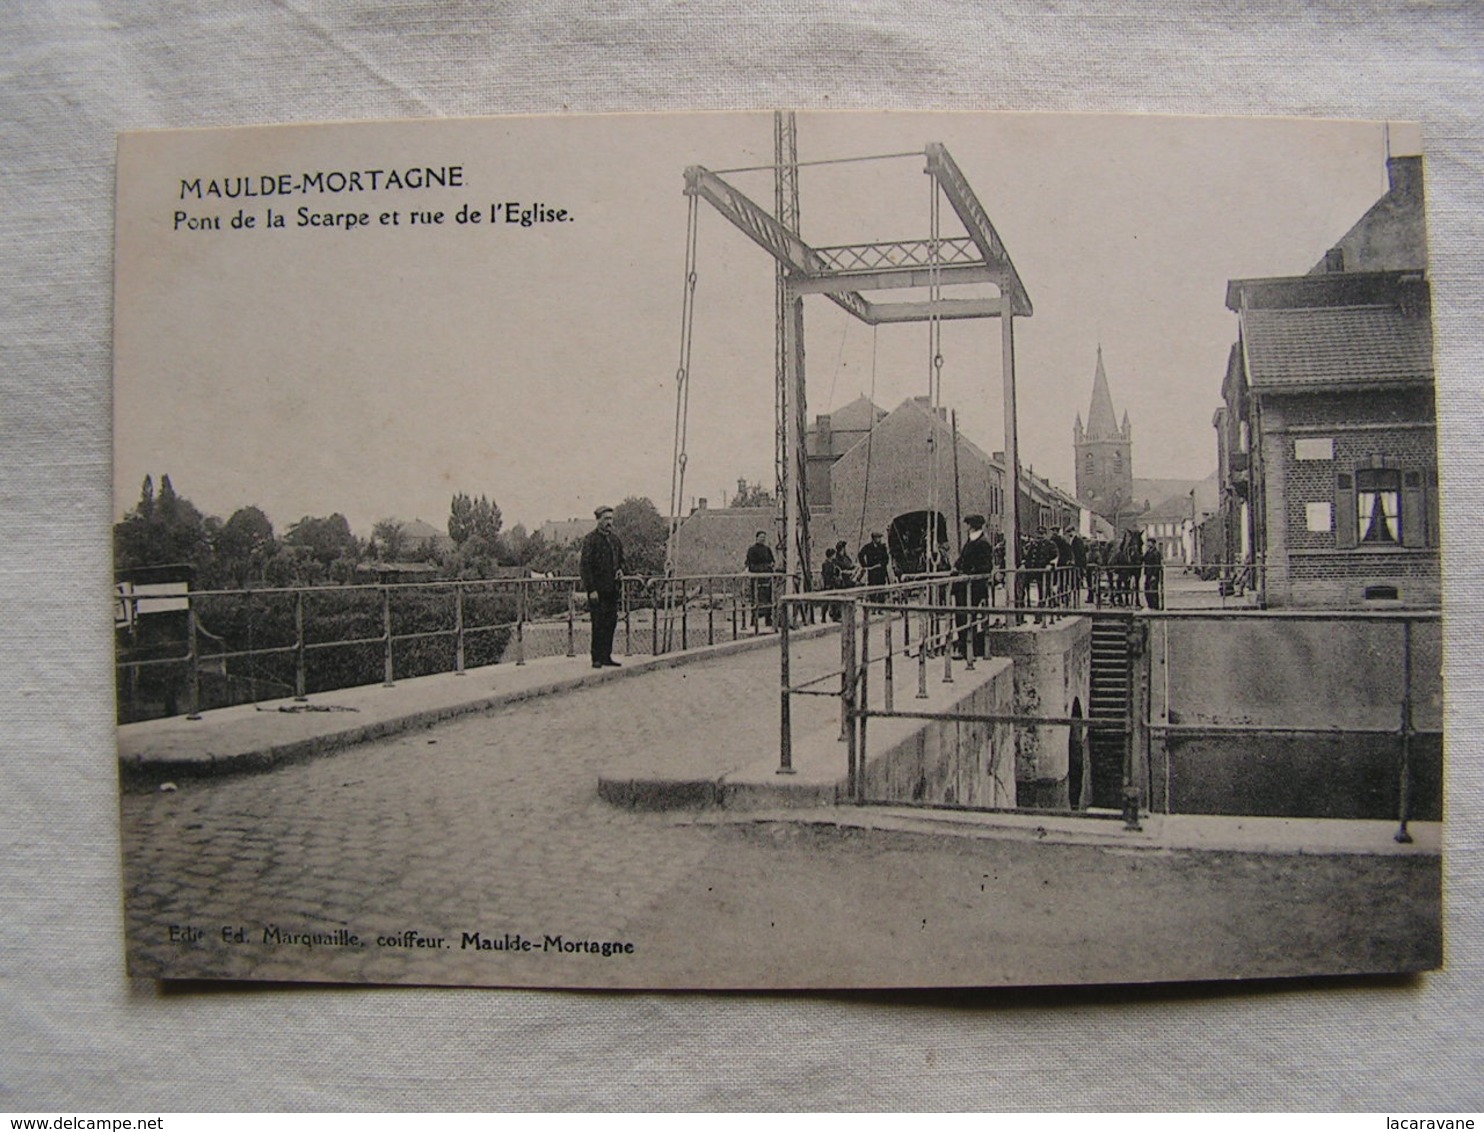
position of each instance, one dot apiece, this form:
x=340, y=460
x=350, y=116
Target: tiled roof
x=1314, y=347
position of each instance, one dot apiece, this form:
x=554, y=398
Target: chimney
x=701, y=504
x=824, y=436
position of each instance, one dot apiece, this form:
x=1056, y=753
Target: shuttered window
x=1386, y=507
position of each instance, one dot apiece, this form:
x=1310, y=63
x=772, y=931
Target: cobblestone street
x=491, y=824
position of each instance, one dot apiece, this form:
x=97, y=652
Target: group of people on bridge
x=1056, y=567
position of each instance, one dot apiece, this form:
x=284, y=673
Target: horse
x=1127, y=561
x=1037, y=556
x=1099, y=561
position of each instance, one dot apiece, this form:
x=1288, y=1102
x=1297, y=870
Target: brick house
x=1327, y=439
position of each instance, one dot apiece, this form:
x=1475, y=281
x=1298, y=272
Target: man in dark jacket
x=875, y=560
x=1154, y=576
x=602, y=578
x=760, y=560
x=976, y=563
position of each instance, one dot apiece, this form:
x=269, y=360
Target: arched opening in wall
x=907, y=540
x=1079, y=761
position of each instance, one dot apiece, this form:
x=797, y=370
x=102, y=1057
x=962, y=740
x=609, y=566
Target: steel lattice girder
x=842, y=273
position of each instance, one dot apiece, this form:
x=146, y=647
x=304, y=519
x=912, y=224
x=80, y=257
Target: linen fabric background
x=76, y=1035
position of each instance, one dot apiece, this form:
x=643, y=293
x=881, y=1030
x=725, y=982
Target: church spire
x=1102, y=424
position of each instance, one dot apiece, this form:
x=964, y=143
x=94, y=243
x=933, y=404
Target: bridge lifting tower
x=844, y=274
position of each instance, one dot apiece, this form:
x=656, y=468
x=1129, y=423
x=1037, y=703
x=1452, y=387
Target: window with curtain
x=1378, y=498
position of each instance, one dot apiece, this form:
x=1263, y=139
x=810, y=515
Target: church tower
x=1104, y=452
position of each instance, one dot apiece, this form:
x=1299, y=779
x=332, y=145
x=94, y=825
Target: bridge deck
x=492, y=824
x=253, y=737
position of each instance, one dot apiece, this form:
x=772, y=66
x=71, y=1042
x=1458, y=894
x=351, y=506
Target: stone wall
x=949, y=762
x=1053, y=672
x=1294, y=673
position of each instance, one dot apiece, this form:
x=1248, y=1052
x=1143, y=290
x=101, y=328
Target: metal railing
x=917, y=622
x=272, y=643
x=933, y=622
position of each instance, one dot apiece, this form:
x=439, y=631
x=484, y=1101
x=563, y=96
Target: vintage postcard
x=777, y=551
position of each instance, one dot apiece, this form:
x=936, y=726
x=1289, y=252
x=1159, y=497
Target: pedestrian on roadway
x=976, y=565
x=602, y=578
x=844, y=565
x=1154, y=571
x=875, y=560
x=760, y=560
x=829, y=577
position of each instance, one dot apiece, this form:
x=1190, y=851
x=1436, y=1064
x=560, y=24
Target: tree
x=242, y=546
x=161, y=530
x=326, y=539
x=644, y=532
x=388, y=540
x=543, y=557
x=517, y=543
x=473, y=518
x=474, y=526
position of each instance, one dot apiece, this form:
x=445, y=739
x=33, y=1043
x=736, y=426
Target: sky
x=377, y=371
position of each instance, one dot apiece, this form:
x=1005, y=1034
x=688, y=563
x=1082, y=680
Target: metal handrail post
x=847, y=700
x=684, y=620
x=386, y=635
x=458, y=628
x=571, y=622
x=300, y=680
x=864, y=704
x=785, y=705
x=193, y=659
x=1404, y=802
x=520, y=626
x=977, y=629
x=924, y=621
x=888, y=675
x=847, y=655
x=654, y=624
x=945, y=592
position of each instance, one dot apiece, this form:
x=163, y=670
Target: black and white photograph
x=778, y=550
